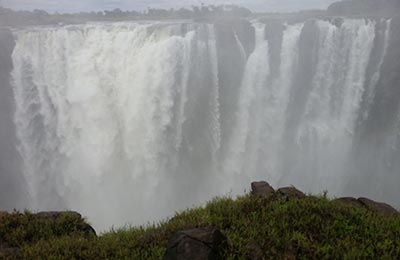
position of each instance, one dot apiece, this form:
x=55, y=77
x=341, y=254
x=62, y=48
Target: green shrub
x=308, y=228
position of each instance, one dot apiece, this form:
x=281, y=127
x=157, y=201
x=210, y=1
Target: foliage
x=9, y=17
x=18, y=230
x=284, y=228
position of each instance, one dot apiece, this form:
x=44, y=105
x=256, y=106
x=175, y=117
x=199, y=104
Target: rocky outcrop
x=261, y=189
x=291, y=192
x=380, y=207
x=196, y=244
x=369, y=204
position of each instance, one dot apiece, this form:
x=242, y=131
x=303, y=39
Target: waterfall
x=129, y=122
x=254, y=79
x=326, y=130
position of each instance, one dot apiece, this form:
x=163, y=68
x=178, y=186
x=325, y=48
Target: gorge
x=128, y=122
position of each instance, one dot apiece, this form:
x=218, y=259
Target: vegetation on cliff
x=277, y=226
x=381, y=8
x=9, y=17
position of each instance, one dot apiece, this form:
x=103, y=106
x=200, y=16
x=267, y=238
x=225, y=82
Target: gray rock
x=261, y=189
x=383, y=208
x=196, y=244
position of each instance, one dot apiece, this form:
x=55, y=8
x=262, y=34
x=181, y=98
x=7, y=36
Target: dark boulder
x=196, y=244
x=383, y=208
x=261, y=189
x=291, y=192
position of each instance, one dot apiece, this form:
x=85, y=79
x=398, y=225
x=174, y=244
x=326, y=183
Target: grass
x=284, y=228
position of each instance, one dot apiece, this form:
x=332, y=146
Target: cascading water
x=128, y=122
x=329, y=115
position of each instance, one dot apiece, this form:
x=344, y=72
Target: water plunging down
x=129, y=122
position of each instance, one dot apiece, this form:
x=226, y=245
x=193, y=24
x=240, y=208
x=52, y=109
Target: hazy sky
x=88, y=5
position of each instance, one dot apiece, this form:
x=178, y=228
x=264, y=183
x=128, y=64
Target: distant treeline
x=382, y=8
x=367, y=8
x=10, y=17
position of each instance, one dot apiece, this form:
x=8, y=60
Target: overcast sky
x=96, y=5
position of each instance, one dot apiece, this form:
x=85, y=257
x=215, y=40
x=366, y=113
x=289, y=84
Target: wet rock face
x=261, y=189
x=196, y=244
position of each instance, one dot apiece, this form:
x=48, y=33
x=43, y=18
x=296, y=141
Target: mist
x=130, y=116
